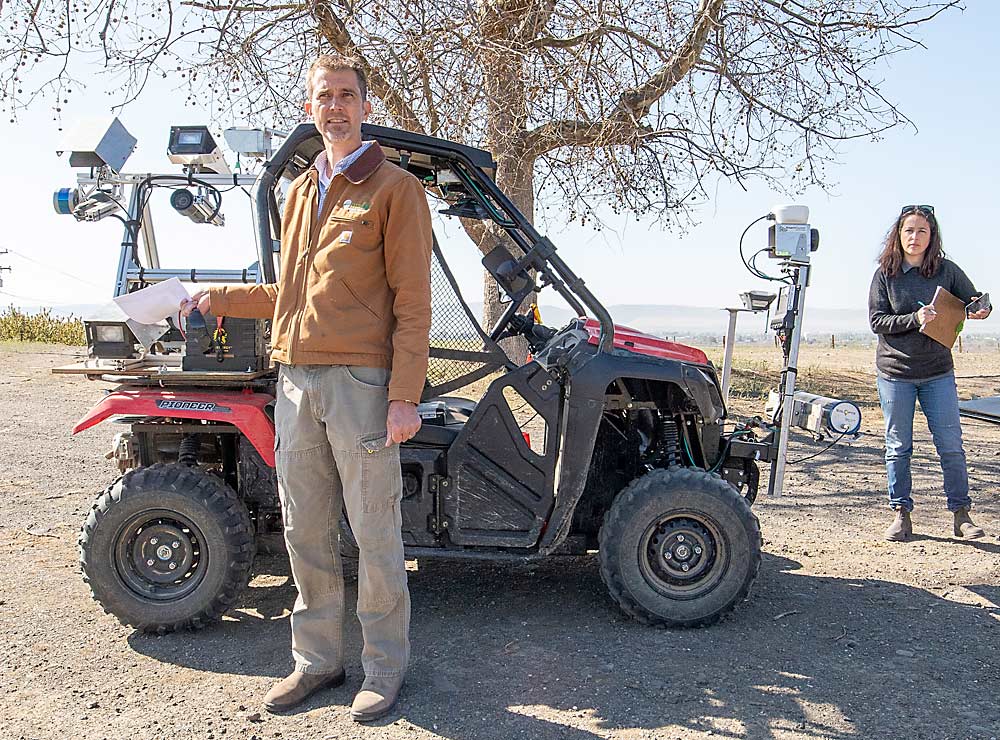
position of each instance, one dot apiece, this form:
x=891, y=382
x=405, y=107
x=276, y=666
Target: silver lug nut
x=680, y=538
x=175, y=545
x=698, y=550
x=666, y=556
x=153, y=540
x=149, y=562
x=172, y=566
x=685, y=567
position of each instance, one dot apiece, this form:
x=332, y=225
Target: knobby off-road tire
x=167, y=547
x=679, y=548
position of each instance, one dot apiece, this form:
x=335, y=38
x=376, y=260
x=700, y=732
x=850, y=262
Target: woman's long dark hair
x=891, y=258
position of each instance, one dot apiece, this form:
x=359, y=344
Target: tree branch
x=635, y=103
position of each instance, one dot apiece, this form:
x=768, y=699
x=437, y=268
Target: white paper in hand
x=155, y=303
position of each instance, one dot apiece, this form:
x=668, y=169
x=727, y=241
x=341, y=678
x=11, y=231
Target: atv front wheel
x=166, y=547
x=679, y=548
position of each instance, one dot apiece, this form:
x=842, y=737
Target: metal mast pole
x=788, y=384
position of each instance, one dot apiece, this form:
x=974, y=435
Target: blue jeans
x=939, y=402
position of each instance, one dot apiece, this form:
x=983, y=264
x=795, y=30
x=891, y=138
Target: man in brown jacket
x=350, y=322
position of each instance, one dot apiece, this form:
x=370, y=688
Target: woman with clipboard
x=913, y=365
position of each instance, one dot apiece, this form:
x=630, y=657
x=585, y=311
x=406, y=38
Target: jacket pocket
x=349, y=222
x=364, y=304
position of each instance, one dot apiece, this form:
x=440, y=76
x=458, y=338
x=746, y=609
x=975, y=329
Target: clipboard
x=950, y=319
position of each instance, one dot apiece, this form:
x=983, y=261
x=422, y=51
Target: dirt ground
x=843, y=636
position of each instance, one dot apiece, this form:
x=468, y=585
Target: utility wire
x=55, y=269
x=29, y=298
x=44, y=303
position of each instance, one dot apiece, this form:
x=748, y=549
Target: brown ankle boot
x=292, y=691
x=376, y=698
x=901, y=528
x=965, y=527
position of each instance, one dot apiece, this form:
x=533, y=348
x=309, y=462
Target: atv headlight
x=109, y=332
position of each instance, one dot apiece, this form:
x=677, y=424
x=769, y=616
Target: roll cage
x=463, y=176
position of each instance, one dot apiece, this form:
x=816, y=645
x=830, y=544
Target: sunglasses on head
x=926, y=210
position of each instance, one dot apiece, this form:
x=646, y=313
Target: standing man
x=350, y=322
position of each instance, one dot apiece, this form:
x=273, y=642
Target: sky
x=951, y=161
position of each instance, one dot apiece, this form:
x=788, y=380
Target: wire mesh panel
x=460, y=351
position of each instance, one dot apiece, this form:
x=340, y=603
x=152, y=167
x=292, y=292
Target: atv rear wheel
x=679, y=548
x=166, y=547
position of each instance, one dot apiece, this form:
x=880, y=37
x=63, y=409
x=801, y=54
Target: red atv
x=607, y=440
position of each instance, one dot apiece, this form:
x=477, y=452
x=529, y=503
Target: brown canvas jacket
x=354, y=287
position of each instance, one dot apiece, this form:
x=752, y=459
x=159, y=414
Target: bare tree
x=632, y=103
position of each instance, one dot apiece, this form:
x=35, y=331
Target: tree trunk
x=514, y=177
x=506, y=134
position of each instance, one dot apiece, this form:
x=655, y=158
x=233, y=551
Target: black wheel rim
x=683, y=556
x=160, y=555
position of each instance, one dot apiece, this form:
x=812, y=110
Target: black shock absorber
x=187, y=452
x=669, y=441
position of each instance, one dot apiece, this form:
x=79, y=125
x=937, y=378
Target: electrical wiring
x=743, y=236
x=144, y=192
x=820, y=452
x=725, y=451
x=178, y=181
x=750, y=265
x=687, y=449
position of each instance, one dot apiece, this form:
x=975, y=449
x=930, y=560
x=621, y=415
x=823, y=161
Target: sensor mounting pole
x=797, y=306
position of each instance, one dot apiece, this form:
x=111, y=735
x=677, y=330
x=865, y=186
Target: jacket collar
x=361, y=168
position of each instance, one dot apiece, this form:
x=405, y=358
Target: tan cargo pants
x=330, y=452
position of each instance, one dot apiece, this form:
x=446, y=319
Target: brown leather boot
x=377, y=696
x=965, y=527
x=901, y=528
x=291, y=691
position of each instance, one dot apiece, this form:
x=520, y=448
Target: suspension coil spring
x=187, y=452
x=669, y=441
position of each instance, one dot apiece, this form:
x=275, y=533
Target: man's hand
x=201, y=300
x=402, y=423
x=980, y=314
x=926, y=314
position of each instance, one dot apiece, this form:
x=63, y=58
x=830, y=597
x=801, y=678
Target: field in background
x=16, y=325
x=843, y=372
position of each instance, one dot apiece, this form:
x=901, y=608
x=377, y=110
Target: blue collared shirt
x=343, y=164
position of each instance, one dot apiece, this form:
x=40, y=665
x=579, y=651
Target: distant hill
x=670, y=320
x=64, y=311
x=686, y=321
x=700, y=321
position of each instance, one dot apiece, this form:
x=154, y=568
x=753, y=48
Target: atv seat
x=442, y=419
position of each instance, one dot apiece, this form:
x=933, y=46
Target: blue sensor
x=64, y=201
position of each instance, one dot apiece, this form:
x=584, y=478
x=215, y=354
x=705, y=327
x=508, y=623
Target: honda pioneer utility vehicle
x=607, y=439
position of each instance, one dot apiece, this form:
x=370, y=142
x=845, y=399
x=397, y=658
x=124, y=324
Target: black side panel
x=421, y=466
x=585, y=407
x=499, y=491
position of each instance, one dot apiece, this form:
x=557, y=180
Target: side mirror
x=517, y=283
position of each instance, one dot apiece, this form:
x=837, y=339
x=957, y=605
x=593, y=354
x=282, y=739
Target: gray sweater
x=903, y=352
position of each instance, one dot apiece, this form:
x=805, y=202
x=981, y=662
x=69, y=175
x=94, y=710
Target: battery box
x=239, y=345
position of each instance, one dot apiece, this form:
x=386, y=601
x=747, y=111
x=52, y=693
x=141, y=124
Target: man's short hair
x=335, y=63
